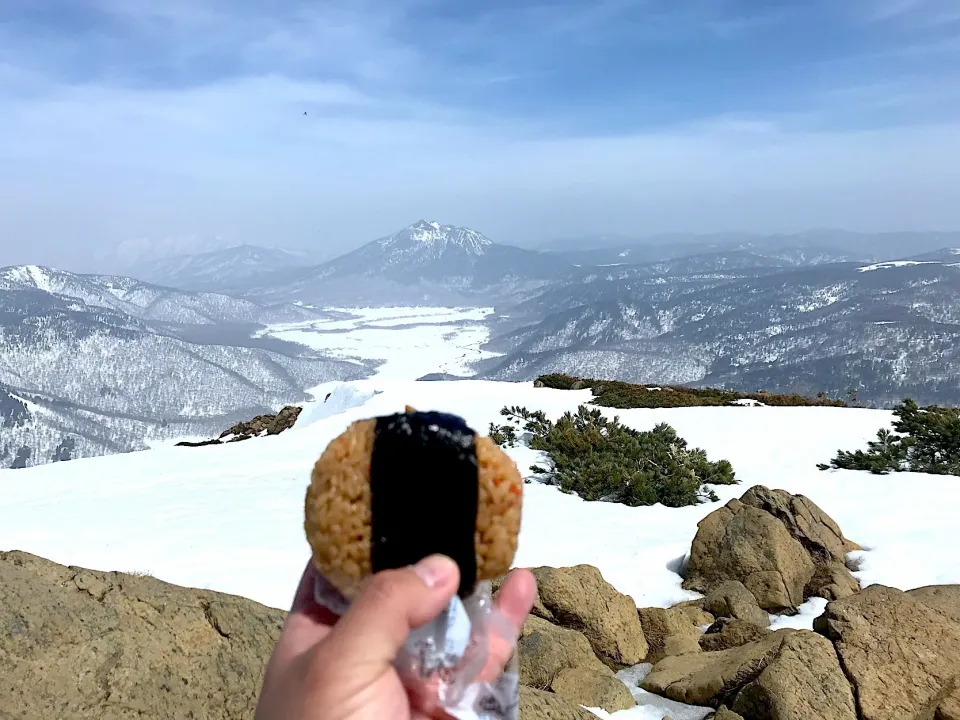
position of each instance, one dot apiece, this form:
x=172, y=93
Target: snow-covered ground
x=229, y=517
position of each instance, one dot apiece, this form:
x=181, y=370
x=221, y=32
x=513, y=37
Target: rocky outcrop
x=580, y=599
x=593, y=690
x=668, y=632
x=901, y=654
x=546, y=650
x=81, y=644
x=725, y=634
x=260, y=426
x=788, y=675
x=783, y=548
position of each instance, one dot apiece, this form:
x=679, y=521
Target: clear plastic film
x=456, y=662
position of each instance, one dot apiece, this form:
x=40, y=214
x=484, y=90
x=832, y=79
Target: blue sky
x=131, y=119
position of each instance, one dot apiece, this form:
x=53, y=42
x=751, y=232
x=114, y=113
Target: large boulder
x=261, y=425
x=593, y=690
x=740, y=542
x=541, y=705
x=805, y=521
x=788, y=675
x=782, y=547
x=668, y=632
x=81, y=644
x=546, y=650
x=901, y=654
x=580, y=599
x=731, y=599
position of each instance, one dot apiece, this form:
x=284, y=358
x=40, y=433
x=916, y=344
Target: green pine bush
x=602, y=459
x=925, y=440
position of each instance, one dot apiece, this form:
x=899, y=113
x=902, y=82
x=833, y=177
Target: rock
x=726, y=633
x=833, y=582
x=540, y=705
x=261, y=425
x=788, y=675
x=81, y=644
x=725, y=714
x=741, y=542
x=901, y=655
x=580, y=599
x=668, y=632
x=945, y=598
x=546, y=650
x=806, y=522
x=695, y=613
x=593, y=690
x=950, y=708
x=731, y=599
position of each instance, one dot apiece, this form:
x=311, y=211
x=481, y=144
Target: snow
x=896, y=263
x=229, y=517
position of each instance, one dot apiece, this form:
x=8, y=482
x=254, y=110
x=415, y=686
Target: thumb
x=394, y=602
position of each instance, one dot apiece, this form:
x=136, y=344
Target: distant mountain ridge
x=93, y=364
x=424, y=262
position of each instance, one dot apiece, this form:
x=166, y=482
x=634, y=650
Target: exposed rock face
x=726, y=714
x=782, y=547
x=540, y=705
x=258, y=427
x=592, y=689
x=580, y=599
x=901, y=654
x=731, y=599
x=546, y=650
x=789, y=675
x=81, y=644
x=725, y=634
x=668, y=632
x=695, y=613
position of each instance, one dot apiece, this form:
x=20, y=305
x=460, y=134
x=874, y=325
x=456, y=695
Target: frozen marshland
x=229, y=518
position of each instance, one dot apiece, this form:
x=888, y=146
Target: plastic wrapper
x=447, y=663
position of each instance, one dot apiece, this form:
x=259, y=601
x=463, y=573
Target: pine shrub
x=924, y=440
x=602, y=459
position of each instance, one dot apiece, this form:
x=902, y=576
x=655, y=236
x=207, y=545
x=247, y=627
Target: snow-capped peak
x=429, y=234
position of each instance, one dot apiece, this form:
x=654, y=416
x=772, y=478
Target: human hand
x=329, y=668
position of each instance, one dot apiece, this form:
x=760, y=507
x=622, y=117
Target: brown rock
x=945, y=598
x=901, y=655
x=695, y=613
x=806, y=522
x=725, y=634
x=593, y=690
x=540, y=705
x=833, y=582
x=731, y=599
x=804, y=681
x=668, y=632
x=780, y=677
x=950, y=708
x=741, y=542
x=546, y=649
x=82, y=644
x=580, y=599
x=726, y=714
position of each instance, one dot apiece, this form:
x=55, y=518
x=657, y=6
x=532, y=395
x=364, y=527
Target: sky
x=132, y=126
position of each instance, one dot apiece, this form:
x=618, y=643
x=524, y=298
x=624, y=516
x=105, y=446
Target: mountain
x=888, y=330
x=146, y=301
x=219, y=269
x=425, y=262
x=93, y=365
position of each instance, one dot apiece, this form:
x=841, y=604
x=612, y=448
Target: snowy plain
x=229, y=518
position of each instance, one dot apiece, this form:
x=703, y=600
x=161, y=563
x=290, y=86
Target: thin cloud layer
x=326, y=124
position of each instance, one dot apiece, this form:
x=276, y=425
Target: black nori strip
x=424, y=492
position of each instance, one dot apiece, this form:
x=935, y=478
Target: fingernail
x=435, y=570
